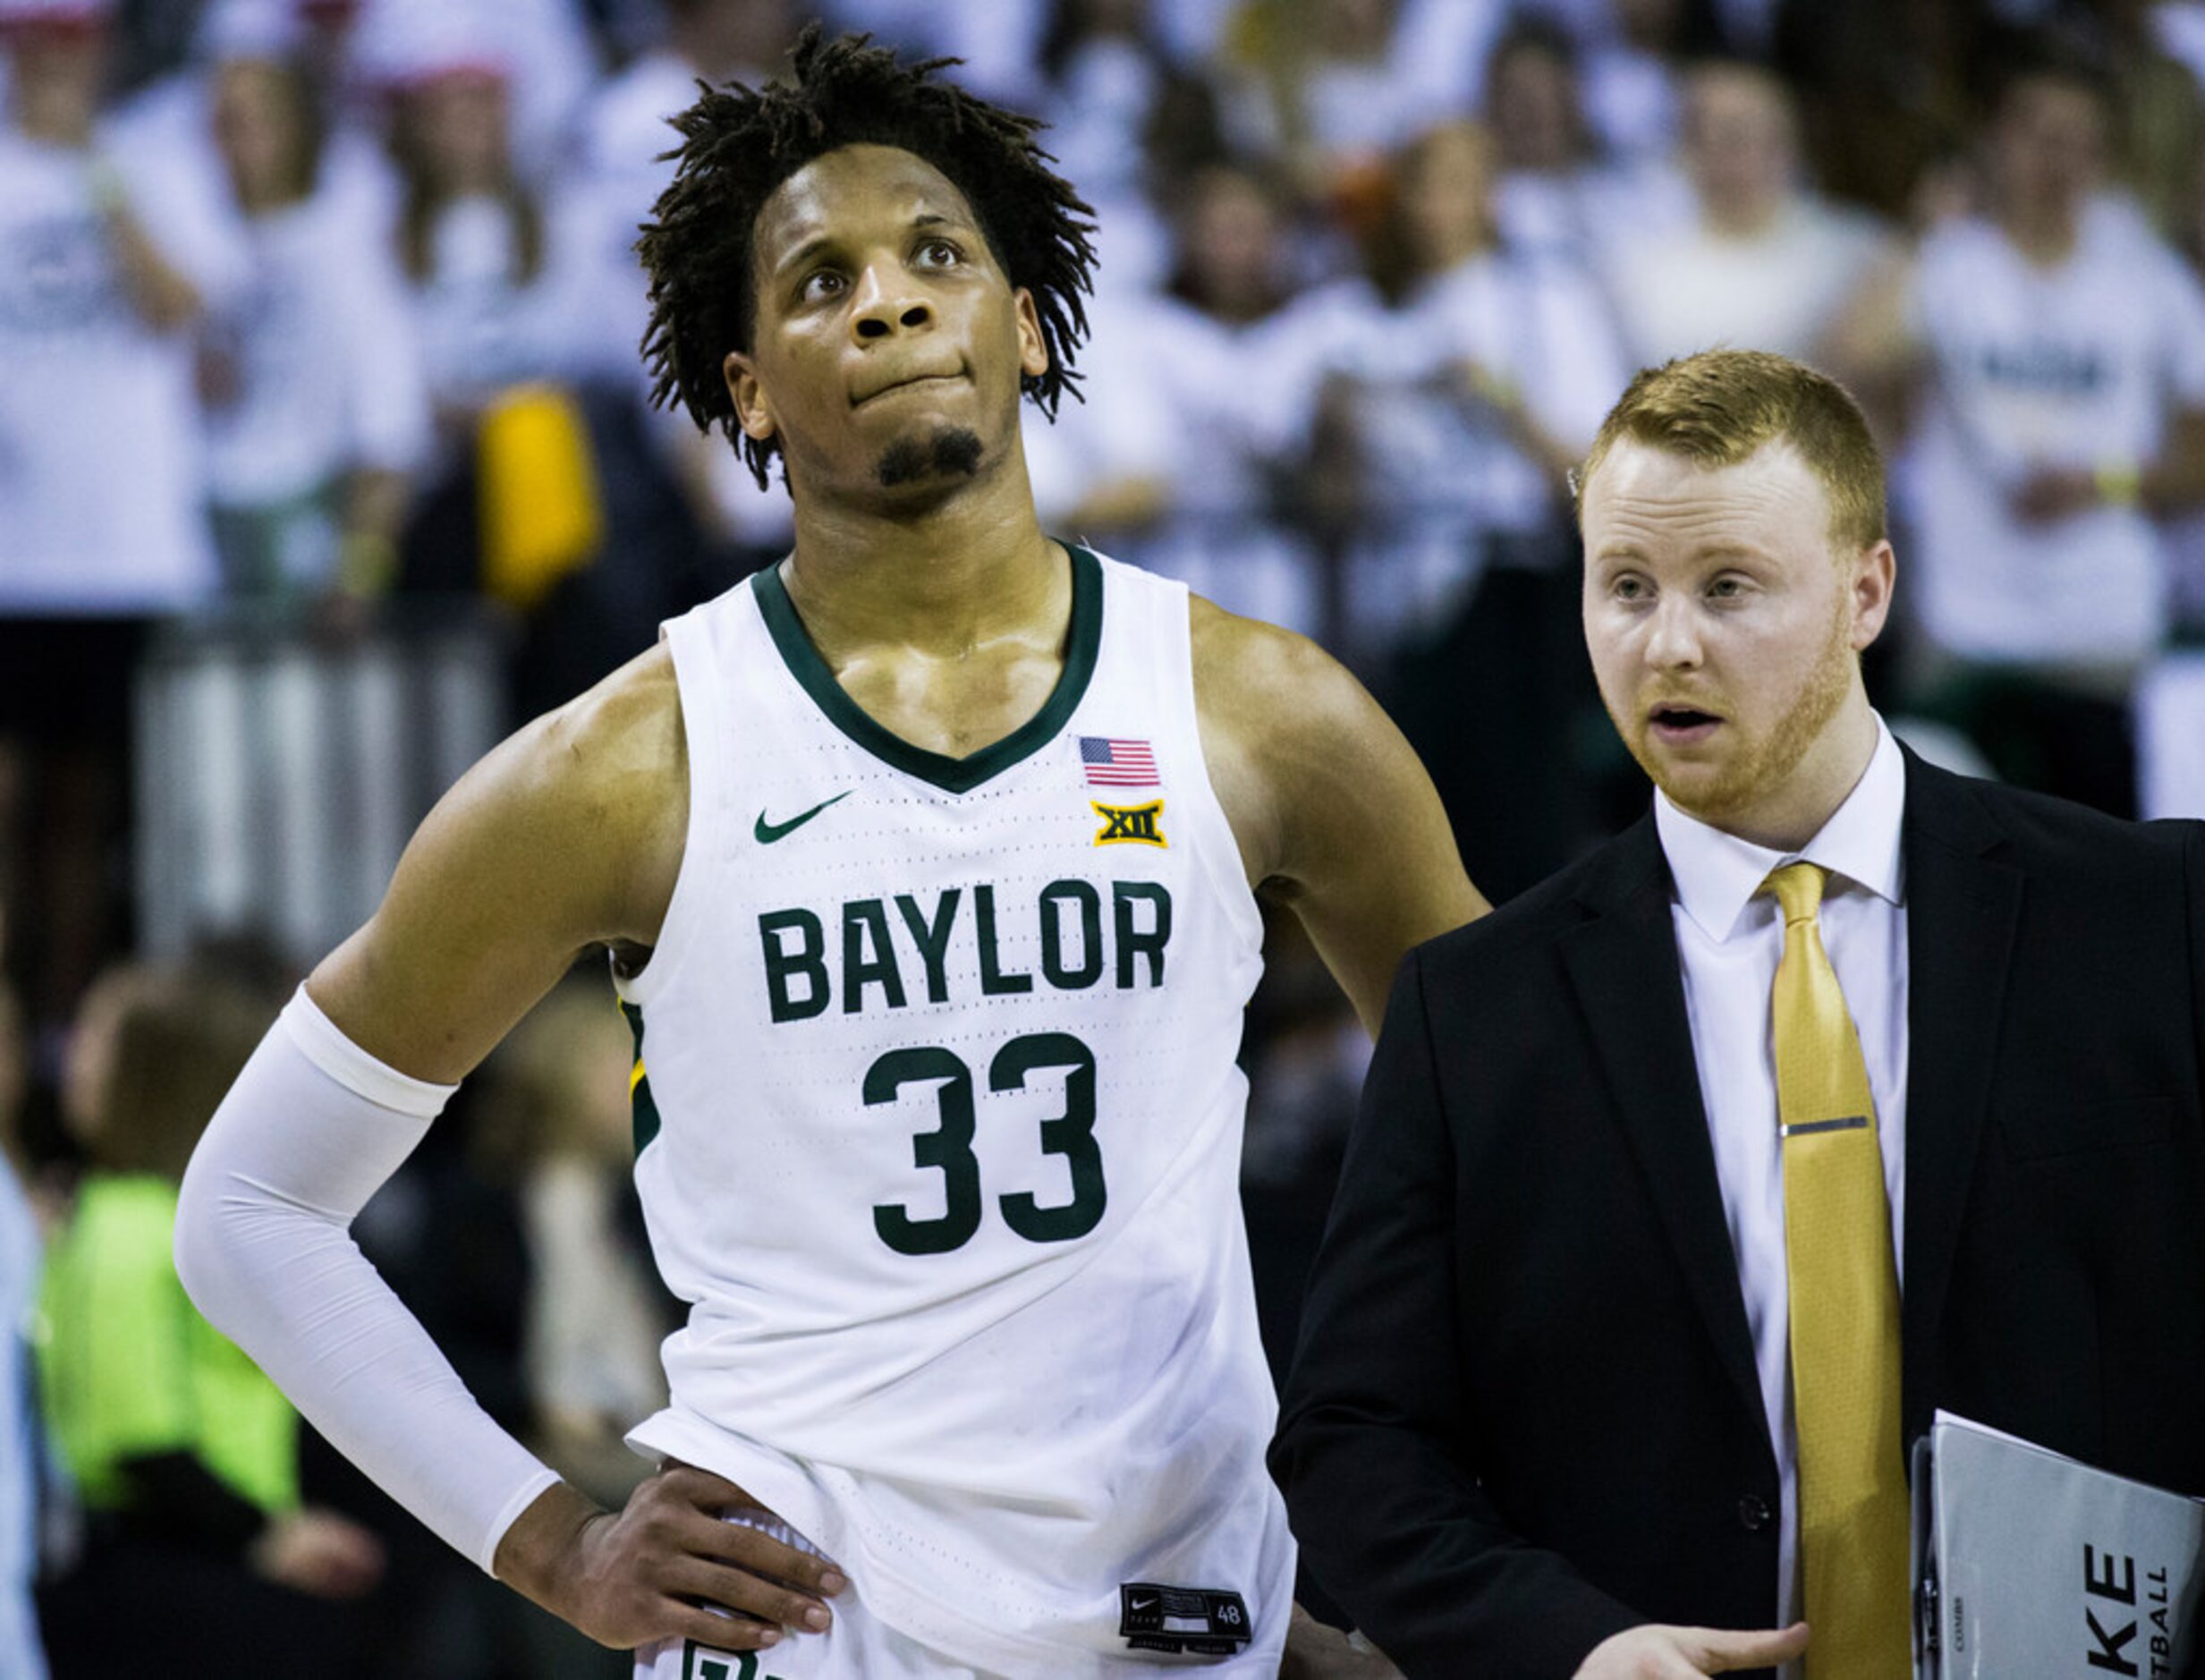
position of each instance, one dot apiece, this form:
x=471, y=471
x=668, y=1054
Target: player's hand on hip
x=1677, y=1653
x=667, y=1565
x=1318, y=1651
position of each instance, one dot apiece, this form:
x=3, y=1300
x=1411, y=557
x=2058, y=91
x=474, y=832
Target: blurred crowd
x=321, y=316
x=167, y=1474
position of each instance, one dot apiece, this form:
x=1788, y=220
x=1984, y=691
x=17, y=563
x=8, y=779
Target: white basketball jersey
x=939, y=1130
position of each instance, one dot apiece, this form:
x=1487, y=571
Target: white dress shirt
x=1730, y=936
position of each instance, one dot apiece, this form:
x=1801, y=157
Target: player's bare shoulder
x=1333, y=814
x=1242, y=666
x=1280, y=719
x=572, y=825
x=568, y=835
x=603, y=783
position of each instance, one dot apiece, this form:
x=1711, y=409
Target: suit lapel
x=1629, y=981
x=1961, y=907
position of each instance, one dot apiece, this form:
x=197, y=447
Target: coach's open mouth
x=1682, y=724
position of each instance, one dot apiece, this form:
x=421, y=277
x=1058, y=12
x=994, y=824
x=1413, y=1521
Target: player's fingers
x=749, y=1549
x=701, y=1488
x=676, y=1528
x=707, y=1495
x=716, y=1632
x=1720, y=1651
x=737, y=1589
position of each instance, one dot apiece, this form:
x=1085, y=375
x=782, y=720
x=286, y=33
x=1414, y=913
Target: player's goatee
x=955, y=453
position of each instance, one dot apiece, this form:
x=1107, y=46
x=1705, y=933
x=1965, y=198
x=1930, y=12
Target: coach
x=1688, y=1184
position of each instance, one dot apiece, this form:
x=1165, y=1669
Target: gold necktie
x=1844, y=1303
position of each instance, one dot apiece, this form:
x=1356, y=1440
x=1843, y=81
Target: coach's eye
x=1630, y=587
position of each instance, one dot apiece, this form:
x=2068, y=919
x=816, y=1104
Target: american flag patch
x=1111, y=763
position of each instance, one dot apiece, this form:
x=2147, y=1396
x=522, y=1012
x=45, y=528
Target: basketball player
x=929, y=862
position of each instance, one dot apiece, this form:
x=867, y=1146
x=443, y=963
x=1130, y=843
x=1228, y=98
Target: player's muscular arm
x=1335, y=816
x=569, y=834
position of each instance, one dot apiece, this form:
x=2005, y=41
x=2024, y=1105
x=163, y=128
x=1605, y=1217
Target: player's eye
x=820, y=283
x=939, y=253
x=1630, y=587
x=1729, y=587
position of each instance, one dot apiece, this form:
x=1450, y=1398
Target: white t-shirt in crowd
x=996, y=42
x=1689, y=289
x=173, y=119
x=100, y=485
x=1580, y=215
x=1632, y=97
x=1440, y=471
x=327, y=375
x=1541, y=325
x=1099, y=111
x=619, y=144
x=2076, y=364
x=483, y=328
x=1204, y=410
x=542, y=46
x=1113, y=431
x=2170, y=737
x=1431, y=72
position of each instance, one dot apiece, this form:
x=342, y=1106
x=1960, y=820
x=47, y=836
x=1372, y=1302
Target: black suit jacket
x=1524, y=1414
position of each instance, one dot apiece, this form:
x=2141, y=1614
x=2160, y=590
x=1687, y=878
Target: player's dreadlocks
x=739, y=144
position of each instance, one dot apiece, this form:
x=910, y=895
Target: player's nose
x=885, y=302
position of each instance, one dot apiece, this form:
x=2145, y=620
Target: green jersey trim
x=1083, y=643
x=644, y=1106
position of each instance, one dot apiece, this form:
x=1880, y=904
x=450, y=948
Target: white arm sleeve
x=312, y=1129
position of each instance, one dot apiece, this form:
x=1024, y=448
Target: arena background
x=326, y=459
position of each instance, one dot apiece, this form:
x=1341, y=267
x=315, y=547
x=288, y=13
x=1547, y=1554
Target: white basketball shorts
x=857, y=1647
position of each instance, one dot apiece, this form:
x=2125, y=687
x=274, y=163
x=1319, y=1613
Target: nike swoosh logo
x=767, y=833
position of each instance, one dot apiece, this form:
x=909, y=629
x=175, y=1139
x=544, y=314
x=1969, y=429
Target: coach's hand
x=1676, y=1653
x=647, y=1571
x=1314, y=1651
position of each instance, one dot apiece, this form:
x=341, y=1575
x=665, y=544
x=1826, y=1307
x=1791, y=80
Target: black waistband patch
x=1203, y=1621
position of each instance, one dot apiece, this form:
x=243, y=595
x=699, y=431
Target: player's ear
x=754, y=411
x=1033, y=349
